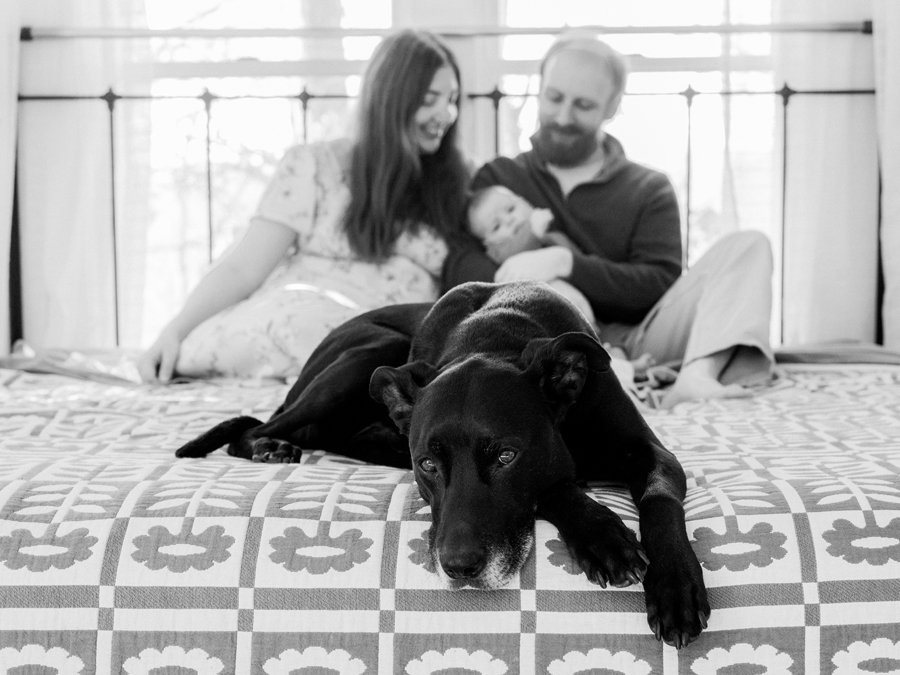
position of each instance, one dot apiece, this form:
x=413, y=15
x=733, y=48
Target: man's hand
x=546, y=264
x=503, y=247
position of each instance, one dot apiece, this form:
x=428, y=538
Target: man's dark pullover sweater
x=626, y=222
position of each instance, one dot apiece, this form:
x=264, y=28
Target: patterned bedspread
x=117, y=558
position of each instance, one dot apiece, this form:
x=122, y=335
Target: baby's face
x=500, y=215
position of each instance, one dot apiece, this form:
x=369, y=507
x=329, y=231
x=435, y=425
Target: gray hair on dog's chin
x=502, y=566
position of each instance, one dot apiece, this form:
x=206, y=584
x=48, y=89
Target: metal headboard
x=110, y=99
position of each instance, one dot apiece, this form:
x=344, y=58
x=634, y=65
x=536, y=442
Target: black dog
x=503, y=398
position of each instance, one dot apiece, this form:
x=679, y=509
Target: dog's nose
x=464, y=563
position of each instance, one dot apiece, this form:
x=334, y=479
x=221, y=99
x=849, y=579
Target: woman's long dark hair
x=394, y=188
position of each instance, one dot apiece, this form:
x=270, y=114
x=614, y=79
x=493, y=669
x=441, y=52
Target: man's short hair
x=589, y=42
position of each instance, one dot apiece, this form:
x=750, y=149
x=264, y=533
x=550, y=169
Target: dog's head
x=484, y=434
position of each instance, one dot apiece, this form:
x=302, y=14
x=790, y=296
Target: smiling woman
x=439, y=110
x=364, y=219
x=406, y=144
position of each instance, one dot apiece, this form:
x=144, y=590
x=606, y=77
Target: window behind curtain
x=256, y=113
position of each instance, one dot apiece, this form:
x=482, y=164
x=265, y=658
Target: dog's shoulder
x=535, y=304
x=479, y=316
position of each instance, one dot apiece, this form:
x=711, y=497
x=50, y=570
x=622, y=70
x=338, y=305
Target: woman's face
x=437, y=113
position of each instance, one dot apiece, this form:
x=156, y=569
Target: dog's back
x=481, y=317
x=329, y=407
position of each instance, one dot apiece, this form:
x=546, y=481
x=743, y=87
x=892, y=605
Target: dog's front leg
x=677, y=604
x=602, y=545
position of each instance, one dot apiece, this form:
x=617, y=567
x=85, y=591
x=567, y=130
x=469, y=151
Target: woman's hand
x=545, y=264
x=157, y=364
x=240, y=272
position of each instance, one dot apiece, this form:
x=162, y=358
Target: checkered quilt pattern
x=117, y=558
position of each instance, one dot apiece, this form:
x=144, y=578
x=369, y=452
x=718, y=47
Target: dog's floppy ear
x=560, y=366
x=398, y=389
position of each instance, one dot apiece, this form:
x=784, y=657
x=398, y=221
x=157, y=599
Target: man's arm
x=625, y=290
x=626, y=231
x=630, y=245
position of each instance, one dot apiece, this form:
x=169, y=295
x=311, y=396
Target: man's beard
x=565, y=146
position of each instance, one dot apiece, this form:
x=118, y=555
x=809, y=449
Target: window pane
x=200, y=205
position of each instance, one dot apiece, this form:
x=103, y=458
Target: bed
x=115, y=557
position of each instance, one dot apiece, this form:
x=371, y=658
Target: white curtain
x=65, y=179
x=9, y=86
x=831, y=212
x=886, y=18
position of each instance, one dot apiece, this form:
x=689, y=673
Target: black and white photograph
x=483, y=337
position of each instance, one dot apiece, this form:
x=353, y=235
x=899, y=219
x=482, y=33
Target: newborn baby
x=506, y=224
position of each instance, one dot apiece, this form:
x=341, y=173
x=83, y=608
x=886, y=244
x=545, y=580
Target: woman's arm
x=234, y=277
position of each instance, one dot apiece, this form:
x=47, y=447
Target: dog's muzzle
x=474, y=565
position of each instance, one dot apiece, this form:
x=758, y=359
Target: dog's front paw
x=677, y=605
x=275, y=451
x=609, y=552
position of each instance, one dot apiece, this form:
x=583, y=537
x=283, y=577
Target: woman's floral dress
x=319, y=285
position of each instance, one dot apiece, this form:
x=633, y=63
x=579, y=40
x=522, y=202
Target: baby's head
x=497, y=213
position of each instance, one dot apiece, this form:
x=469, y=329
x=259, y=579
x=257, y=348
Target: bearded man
x=711, y=321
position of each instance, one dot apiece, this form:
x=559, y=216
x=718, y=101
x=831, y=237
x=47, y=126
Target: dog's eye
x=506, y=456
x=427, y=465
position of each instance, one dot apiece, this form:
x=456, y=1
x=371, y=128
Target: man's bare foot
x=641, y=365
x=698, y=380
x=691, y=389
